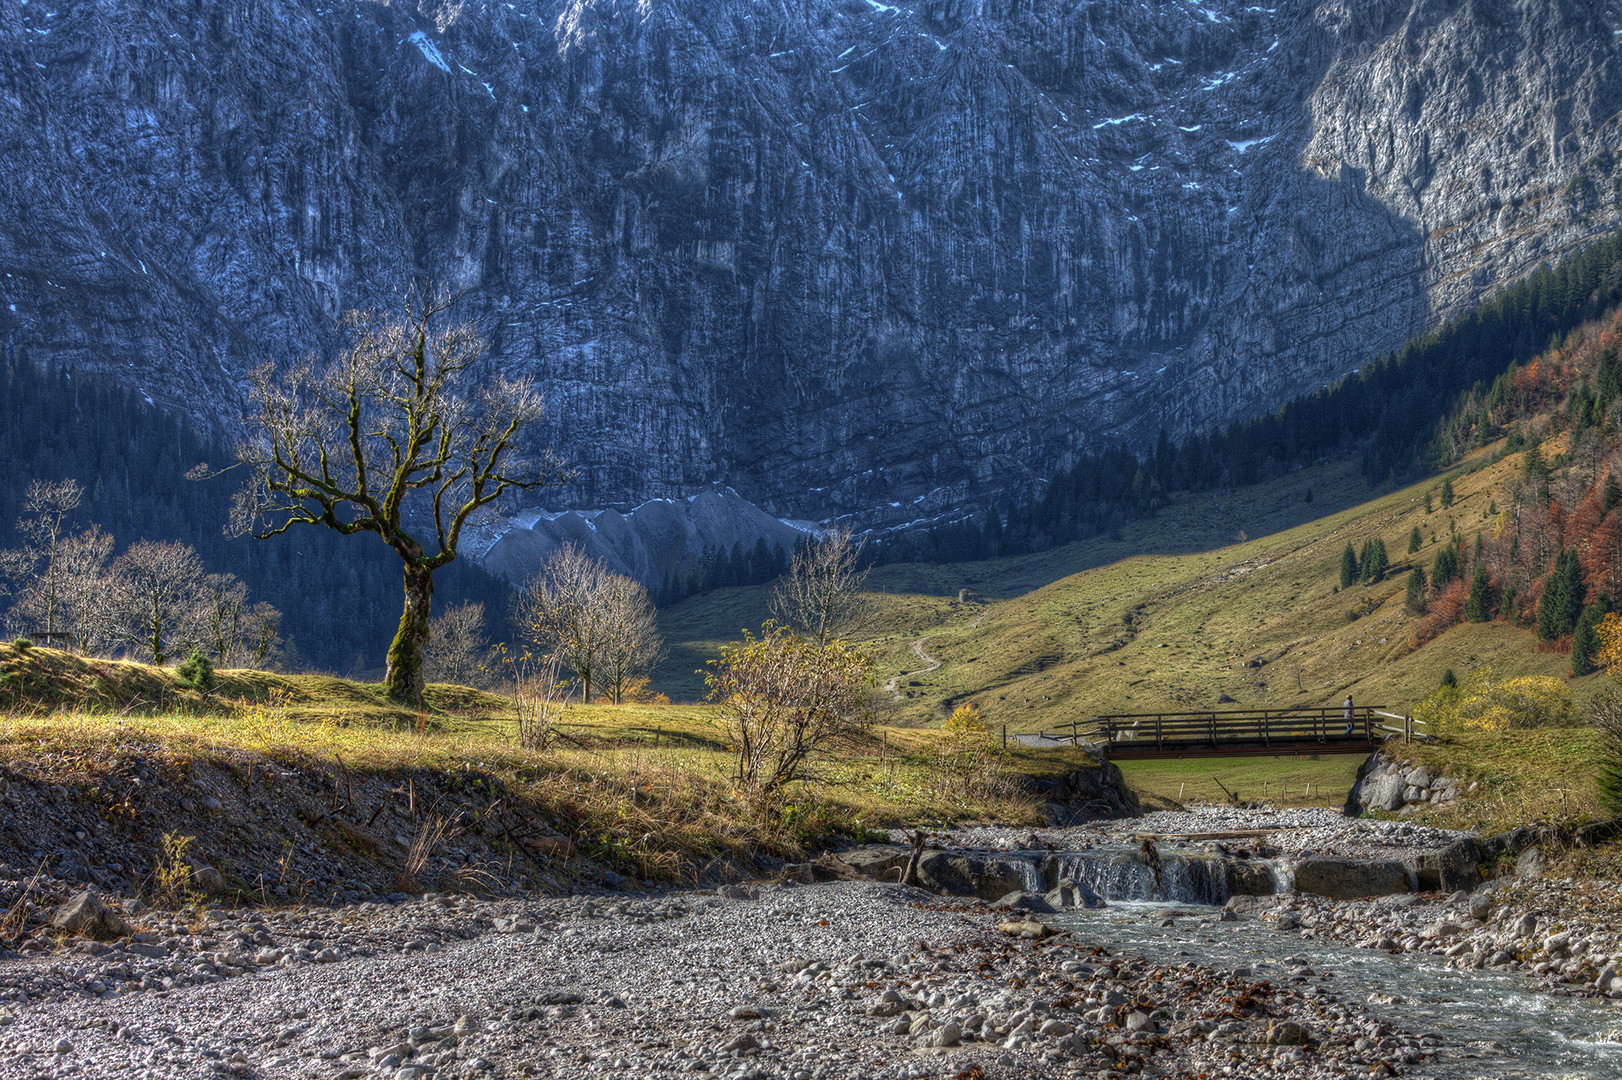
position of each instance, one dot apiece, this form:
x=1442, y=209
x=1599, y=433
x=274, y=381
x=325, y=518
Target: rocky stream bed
x=806, y=979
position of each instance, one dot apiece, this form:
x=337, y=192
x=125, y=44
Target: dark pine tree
x=1562, y=601
x=1445, y=567
x=1348, y=567
x=1478, y=608
x=1585, y=641
x=1415, y=600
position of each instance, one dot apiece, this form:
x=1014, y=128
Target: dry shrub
x=14, y=921
x=637, y=691
x=436, y=830
x=171, y=876
x=538, y=698
x=1447, y=609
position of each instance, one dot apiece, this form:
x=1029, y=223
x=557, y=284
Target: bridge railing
x=1216, y=727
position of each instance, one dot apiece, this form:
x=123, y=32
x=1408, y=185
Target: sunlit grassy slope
x=1219, y=595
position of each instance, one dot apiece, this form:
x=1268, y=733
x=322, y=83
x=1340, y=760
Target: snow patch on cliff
x=429, y=50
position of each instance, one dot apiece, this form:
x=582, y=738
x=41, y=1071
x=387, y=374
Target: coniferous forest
x=1392, y=415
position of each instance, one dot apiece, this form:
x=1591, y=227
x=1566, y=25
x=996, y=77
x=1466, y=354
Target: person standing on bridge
x=1349, y=724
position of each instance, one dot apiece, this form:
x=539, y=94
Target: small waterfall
x=1183, y=879
x=1194, y=881
x=1031, y=870
x=1114, y=876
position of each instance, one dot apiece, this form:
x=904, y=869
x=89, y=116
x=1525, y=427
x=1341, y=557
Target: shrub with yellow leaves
x=968, y=739
x=1480, y=704
x=1609, y=654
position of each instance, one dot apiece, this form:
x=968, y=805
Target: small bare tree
x=87, y=600
x=821, y=596
x=457, y=647
x=224, y=600
x=263, y=638
x=161, y=589
x=404, y=435
x=238, y=634
x=631, y=645
x=786, y=698
x=46, y=507
x=561, y=612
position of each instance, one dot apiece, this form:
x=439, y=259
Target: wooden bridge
x=1238, y=733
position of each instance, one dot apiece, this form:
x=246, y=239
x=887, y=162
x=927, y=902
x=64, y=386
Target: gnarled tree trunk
x=404, y=678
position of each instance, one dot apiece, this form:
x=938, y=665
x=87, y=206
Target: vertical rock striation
x=843, y=255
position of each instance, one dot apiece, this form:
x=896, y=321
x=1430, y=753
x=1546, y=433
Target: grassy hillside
x=1220, y=595
x=645, y=787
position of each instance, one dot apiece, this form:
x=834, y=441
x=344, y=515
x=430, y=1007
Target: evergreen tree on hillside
x=1562, y=601
x=1445, y=567
x=1478, y=608
x=1447, y=493
x=1348, y=567
x=1585, y=641
x=1415, y=541
x=1374, y=563
x=1415, y=599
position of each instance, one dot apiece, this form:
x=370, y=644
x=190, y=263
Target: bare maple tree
x=821, y=595
x=160, y=586
x=632, y=645
x=238, y=633
x=458, y=649
x=599, y=624
x=87, y=608
x=38, y=566
x=560, y=611
x=407, y=435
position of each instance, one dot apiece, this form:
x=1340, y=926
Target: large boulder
x=1022, y=901
x=1379, y=786
x=1350, y=879
x=1090, y=794
x=879, y=862
x=87, y=916
x=1070, y=893
x=1450, y=869
x=970, y=875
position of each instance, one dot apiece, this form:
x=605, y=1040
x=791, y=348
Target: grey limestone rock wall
x=843, y=256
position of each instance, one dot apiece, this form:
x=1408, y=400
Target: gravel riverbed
x=842, y=979
x=786, y=980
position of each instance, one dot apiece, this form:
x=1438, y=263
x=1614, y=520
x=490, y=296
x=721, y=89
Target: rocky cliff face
x=842, y=255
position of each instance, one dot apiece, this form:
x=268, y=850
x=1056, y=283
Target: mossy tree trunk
x=404, y=679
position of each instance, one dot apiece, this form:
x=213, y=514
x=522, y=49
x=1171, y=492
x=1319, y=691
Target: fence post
x=1005, y=738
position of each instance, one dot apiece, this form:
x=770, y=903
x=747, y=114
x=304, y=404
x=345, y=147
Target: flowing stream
x=1493, y=1025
